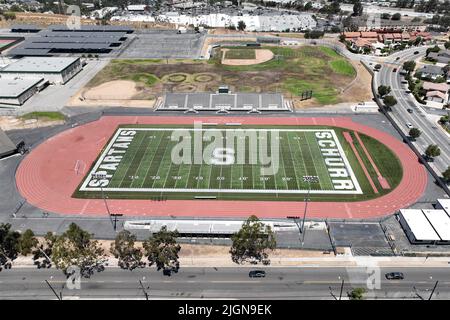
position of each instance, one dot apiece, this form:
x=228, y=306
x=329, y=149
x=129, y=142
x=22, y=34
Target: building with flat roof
x=7, y=147
x=59, y=40
x=14, y=92
x=427, y=226
x=443, y=204
x=440, y=222
x=417, y=227
x=53, y=69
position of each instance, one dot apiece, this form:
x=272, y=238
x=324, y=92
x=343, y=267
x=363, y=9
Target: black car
x=395, y=70
x=395, y=276
x=167, y=272
x=416, y=52
x=410, y=110
x=257, y=274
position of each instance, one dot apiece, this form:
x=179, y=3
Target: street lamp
x=309, y=180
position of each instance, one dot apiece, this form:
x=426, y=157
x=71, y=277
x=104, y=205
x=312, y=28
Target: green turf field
x=228, y=162
x=240, y=54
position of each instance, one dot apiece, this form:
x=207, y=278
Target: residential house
x=436, y=92
x=440, y=57
x=431, y=72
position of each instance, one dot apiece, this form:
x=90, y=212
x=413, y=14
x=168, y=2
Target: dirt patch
x=261, y=55
x=360, y=89
x=117, y=93
x=119, y=89
x=14, y=123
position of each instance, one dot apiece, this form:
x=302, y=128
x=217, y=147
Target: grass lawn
x=291, y=71
x=343, y=67
x=43, y=115
x=240, y=54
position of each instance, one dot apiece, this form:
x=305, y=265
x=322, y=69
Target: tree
x=75, y=248
x=432, y=151
x=241, y=25
x=162, y=249
x=396, y=16
x=418, y=41
x=123, y=248
x=409, y=66
x=9, y=246
x=356, y=294
x=414, y=133
x=385, y=16
x=27, y=242
x=9, y=16
x=252, y=241
x=384, y=90
x=446, y=174
x=389, y=101
x=357, y=8
x=42, y=252
x=447, y=45
x=434, y=49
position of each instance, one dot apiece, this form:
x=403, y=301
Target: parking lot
x=164, y=44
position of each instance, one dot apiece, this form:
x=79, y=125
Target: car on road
x=395, y=70
x=409, y=125
x=409, y=110
x=257, y=274
x=395, y=276
x=167, y=272
x=416, y=52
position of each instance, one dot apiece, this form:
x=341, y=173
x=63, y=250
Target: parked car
x=409, y=125
x=395, y=276
x=395, y=70
x=257, y=274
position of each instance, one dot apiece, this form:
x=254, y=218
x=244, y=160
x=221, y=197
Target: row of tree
x=77, y=248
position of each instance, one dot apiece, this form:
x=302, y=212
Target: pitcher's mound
x=118, y=89
x=261, y=55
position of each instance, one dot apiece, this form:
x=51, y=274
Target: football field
x=225, y=162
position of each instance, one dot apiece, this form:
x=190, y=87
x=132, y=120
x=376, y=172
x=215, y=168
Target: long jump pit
x=268, y=167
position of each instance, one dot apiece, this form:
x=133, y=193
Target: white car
x=409, y=125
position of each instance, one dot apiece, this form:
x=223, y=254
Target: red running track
x=47, y=180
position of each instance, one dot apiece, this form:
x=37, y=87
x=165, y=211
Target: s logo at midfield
x=223, y=156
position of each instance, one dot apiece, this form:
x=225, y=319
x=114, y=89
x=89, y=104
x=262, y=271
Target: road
x=228, y=283
x=431, y=133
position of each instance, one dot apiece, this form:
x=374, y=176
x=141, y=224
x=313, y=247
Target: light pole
x=97, y=175
x=307, y=179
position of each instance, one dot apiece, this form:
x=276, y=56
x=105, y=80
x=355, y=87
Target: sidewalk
x=339, y=261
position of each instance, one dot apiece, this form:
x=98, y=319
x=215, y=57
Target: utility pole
x=434, y=288
x=143, y=290
x=59, y=297
x=340, y=292
x=342, y=288
x=112, y=216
